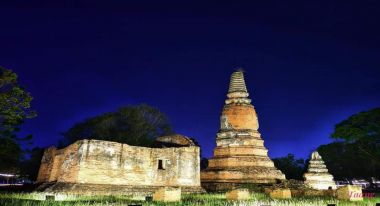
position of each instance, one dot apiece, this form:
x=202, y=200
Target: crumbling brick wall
x=104, y=162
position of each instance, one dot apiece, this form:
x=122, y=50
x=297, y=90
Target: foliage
x=357, y=151
x=10, y=154
x=345, y=161
x=31, y=166
x=291, y=167
x=363, y=129
x=14, y=104
x=361, y=126
x=14, y=109
x=135, y=125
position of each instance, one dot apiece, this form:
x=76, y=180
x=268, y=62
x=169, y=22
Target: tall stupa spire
x=237, y=83
x=240, y=156
x=237, y=92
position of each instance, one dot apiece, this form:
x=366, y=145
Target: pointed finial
x=315, y=155
x=240, y=69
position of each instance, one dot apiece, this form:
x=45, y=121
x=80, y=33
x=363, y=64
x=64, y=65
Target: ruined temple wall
x=106, y=162
x=67, y=161
x=46, y=165
x=60, y=165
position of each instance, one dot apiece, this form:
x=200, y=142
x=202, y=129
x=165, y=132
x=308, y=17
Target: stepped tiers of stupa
x=240, y=156
x=317, y=176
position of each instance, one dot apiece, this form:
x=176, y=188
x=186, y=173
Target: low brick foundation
x=167, y=194
x=280, y=194
x=104, y=189
x=238, y=194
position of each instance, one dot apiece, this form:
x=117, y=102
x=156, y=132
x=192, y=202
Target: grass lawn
x=258, y=199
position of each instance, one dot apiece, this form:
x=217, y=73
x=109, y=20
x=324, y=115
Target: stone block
x=350, y=192
x=238, y=194
x=280, y=194
x=330, y=193
x=167, y=194
x=314, y=193
x=268, y=190
x=297, y=192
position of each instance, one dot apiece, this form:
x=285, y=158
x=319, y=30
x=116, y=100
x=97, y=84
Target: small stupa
x=240, y=156
x=318, y=176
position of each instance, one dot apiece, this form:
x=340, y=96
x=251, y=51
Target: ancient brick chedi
x=104, y=167
x=318, y=176
x=240, y=156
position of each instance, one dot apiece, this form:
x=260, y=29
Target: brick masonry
x=110, y=163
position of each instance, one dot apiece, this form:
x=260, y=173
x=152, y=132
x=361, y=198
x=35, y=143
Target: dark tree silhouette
x=364, y=130
x=356, y=152
x=30, y=167
x=14, y=109
x=10, y=155
x=291, y=167
x=134, y=125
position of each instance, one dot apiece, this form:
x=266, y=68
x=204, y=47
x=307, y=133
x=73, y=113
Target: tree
x=291, y=167
x=134, y=125
x=364, y=130
x=339, y=158
x=30, y=167
x=14, y=109
x=10, y=155
x=14, y=105
x=356, y=152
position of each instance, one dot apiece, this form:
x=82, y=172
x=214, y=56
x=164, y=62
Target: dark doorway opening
x=160, y=165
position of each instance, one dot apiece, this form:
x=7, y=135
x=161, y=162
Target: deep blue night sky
x=308, y=65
